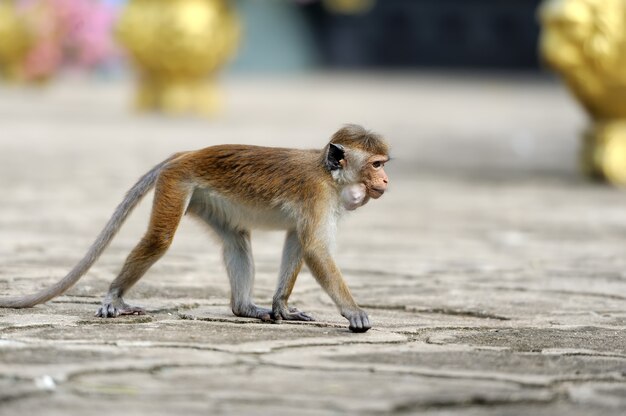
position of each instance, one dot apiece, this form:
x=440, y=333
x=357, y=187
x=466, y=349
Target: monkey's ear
x=334, y=157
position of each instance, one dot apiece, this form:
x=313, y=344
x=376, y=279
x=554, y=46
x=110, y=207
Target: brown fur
x=262, y=175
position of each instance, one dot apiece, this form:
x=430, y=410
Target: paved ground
x=495, y=276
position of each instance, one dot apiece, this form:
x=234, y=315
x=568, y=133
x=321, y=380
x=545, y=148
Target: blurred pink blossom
x=74, y=33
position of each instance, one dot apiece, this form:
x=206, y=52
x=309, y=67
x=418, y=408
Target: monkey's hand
x=359, y=321
x=280, y=312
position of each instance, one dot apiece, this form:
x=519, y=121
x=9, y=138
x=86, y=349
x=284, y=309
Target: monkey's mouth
x=376, y=192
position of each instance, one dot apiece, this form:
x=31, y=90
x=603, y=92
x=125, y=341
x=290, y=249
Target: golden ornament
x=585, y=41
x=177, y=46
x=15, y=40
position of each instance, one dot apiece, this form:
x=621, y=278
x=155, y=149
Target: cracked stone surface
x=494, y=275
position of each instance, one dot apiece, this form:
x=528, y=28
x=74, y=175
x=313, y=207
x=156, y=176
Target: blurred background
x=455, y=84
x=458, y=85
x=282, y=35
x=499, y=113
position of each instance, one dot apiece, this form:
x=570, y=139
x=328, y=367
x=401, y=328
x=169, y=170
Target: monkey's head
x=356, y=159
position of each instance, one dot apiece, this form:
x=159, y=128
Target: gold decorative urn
x=15, y=40
x=177, y=46
x=585, y=41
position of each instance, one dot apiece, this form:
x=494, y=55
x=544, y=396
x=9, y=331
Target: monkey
x=234, y=189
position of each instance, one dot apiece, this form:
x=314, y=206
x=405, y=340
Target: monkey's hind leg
x=170, y=202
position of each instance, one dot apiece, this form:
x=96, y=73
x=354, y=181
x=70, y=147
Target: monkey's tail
x=131, y=200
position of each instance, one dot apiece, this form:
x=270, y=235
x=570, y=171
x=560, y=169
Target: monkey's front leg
x=327, y=274
x=289, y=268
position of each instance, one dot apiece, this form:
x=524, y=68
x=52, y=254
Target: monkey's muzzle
x=376, y=192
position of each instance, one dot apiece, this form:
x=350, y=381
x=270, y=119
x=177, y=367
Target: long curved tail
x=123, y=210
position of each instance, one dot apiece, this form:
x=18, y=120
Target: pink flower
x=69, y=32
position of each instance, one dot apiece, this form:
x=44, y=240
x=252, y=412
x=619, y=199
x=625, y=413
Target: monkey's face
x=358, y=169
x=374, y=177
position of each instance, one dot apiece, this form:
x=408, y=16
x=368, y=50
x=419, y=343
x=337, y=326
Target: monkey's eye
x=378, y=164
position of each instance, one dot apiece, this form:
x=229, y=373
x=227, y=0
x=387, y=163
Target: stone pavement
x=494, y=274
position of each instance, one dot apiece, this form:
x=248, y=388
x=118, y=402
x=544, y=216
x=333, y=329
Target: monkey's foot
x=359, y=321
x=291, y=314
x=253, y=311
x=113, y=309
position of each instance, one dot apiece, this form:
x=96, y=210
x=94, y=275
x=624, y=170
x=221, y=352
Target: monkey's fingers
x=300, y=315
x=359, y=322
x=108, y=310
x=253, y=311
x=132, y=310
x=297, y=315
x=292, y=314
